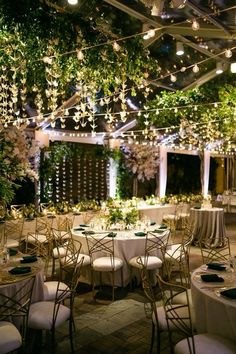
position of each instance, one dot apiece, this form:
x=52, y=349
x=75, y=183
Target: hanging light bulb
x=195, y=25
x=195, y=69
x=179, y=48
x=173, y=78
x=116, y=46
x=219, y=68
x=233, y=68
x=151, y=33
x=72, y=2
x=228, y=53
x=80, y=54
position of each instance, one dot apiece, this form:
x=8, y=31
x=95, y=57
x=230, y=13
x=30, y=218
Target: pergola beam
x=201, y=80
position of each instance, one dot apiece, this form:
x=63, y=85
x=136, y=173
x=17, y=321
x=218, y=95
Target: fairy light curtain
x=76, y=177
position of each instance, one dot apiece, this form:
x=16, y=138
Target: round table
x=126, y=246
x=214, y=313
x=9, y=283
x=208, y=226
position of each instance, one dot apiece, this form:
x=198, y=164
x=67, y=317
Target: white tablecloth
x=155, y=212
x=208, y=226
x=9, y=283
x=214, y=313
x=126, y=245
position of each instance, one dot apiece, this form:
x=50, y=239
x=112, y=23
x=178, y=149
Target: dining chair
x=217, y=254
x=154, y=309
x=177, y=258
x=14, y=311
x=153, y=253
x=102, y=254
x=64, y=222
x=12, y=232
x=42, y=234
x=66, y=250
x=181, y=318
x=49, y=315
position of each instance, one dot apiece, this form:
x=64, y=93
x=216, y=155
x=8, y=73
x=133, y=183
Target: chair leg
x=71, y=325
x=113, y=285
x=152, y=338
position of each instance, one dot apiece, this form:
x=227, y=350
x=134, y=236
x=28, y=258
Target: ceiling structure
x=204, y=29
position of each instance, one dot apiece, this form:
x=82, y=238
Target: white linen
x=126, y=246
x=214, y=313
x=208, y=226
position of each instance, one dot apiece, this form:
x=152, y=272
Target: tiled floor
x=121, y=326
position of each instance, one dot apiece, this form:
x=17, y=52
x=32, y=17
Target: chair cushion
x=12, y=243
x=10, y=337
x=86, y=261
x=50, y=289
x=38, y=237
x=152, y=263
x=181, y=299
x=60, y=250
x=207, y=344
x=41, y=315
x=104, y=264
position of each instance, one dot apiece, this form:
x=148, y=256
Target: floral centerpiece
x=122, y=217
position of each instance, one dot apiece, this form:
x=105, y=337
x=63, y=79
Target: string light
x=195, y=25
x=80, y=54
x=116, y=47
x=195, y=69
x=72, y=2
x=228, y=53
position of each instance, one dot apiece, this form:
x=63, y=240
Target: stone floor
x=121, y=326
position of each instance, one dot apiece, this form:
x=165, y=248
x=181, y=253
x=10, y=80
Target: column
x=162, y=171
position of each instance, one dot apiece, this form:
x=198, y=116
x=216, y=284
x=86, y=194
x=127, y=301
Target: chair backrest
x=178, y=315
x=64, y=222
x=13, y=229
x=150, y=306
x=67, y=294
x=217, y=254
x=156, y=243
x=43, y=225
x=69, y=258
x=16, y=307
x=100, y=245
x=177, y=261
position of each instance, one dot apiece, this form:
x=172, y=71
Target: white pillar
x=162, y=171
x=112, y=178
x=207, y=157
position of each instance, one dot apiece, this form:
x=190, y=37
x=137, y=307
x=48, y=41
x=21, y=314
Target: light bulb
x=72, y=2
x=195, y=25
x=179, y=48
x=80, y=54
x=219, y=68
x=228, y=53
x=195, y=68
x=116, y=47
x=173, y=78
x=233, y=68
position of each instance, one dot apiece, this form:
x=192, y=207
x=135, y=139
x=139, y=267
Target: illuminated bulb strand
x=48, y=115
x=112, y=42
